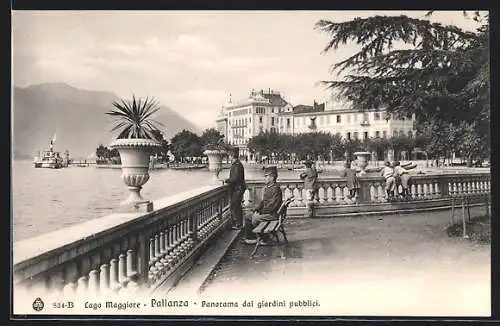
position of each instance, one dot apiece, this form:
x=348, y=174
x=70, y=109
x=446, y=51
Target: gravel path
x=400, y=265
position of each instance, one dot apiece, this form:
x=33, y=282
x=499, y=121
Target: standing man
x=237, y=187
x=267, y=209
x=310, y=177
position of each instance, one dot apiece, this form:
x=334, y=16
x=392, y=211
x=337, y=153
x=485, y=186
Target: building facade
x=269, y=111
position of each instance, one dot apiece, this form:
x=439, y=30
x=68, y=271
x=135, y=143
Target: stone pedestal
x=362, y=160
x=135, y=159
x=215, y=164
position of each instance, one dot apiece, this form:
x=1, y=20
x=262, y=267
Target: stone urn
x=362, y=160
x=135, y=158
x=215, y=162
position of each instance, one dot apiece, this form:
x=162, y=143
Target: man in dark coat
x=267, y=209
x=237, y=187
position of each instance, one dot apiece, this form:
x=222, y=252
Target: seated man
x=267, y=209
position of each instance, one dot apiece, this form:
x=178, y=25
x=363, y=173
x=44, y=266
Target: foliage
x=212, y=139
x=186, y=144
x=134, y=117
x=412, y=66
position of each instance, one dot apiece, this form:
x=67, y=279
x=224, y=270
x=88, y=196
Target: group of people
x=267, y=208
x=395, y=175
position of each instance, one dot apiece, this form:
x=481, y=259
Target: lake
x=45, y=200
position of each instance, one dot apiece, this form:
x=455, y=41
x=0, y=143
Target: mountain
x=76, y=116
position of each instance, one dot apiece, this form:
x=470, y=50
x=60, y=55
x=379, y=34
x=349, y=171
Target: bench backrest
x=283, y=210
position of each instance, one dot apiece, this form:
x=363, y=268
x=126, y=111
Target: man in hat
x=237, y=187
x=310, y=177
x=267, y=209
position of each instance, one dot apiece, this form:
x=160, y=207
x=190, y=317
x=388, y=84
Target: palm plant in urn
x=214, y=148
x=135, y=143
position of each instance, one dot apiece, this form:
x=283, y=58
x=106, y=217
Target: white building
x=247, y=118
x=268, y=111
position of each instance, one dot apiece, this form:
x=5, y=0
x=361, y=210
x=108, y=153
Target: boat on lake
x=51, y=159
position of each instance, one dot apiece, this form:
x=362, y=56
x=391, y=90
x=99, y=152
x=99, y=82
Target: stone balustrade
x=122, y=253
x=128, y=253
x=333, y=194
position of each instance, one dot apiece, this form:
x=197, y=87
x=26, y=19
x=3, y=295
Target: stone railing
x=122, y=253
x=333, y=194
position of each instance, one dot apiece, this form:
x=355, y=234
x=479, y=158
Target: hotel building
x=269, y=111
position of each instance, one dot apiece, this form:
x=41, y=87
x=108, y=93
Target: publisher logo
x=38, y=304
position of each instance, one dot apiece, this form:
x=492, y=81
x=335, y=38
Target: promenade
x=382, y=265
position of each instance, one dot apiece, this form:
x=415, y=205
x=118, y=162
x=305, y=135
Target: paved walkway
x=400, y=265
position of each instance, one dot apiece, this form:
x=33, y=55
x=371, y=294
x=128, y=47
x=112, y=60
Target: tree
x=412, y=66
x=186, y=143
x=212, y=139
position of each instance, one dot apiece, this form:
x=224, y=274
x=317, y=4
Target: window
x=384, y=134
x=260, y=119
x=327, y=119
x=272, y=121
x=348, y=135
x=288, y=122
x=377, y=134
x=321, y=120
x=355, y=118
x=250, y=120
x=348, y=118
x=410, y=133
x=365, y=116
x=338, y=118
x=376, y=116
x=356, y=135
x=395, y=133
x=401, y=133
x=365, y=135
x=272, y=110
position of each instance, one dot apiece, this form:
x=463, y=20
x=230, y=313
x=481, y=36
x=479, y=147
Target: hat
x=271, y=170
x=235, y=152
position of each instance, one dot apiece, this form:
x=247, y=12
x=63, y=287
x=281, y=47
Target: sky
x=191, y=61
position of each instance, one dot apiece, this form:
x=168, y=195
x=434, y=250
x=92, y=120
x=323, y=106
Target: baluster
x=113, y=275
x=81, y=290
x=413, y=191
x=104, y=279
x=321, y=194
x=420, y=192
x=246, y=198
x=93, y=285
x=69, y=289
x=122, y=270
x=132, y=270
x=330, y=194
x=163, y=251
x=437, y=190
x=381, y=192
x=425, y=190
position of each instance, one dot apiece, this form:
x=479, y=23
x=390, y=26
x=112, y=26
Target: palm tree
x=134, y=118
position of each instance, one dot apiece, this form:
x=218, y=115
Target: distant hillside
x=75, y=115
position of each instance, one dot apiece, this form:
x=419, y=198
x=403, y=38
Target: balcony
x=365, y=123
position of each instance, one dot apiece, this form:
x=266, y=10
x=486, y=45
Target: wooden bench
x=272, y=228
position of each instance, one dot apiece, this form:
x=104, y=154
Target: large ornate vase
x=362, y=160
x=135, y=157
x=214, y=162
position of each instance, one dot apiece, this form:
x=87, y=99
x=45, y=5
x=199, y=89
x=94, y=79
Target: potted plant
x=214, y=148
x=135, y=143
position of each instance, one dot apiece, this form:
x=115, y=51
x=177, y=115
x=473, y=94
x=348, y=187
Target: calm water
x=45, y=200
